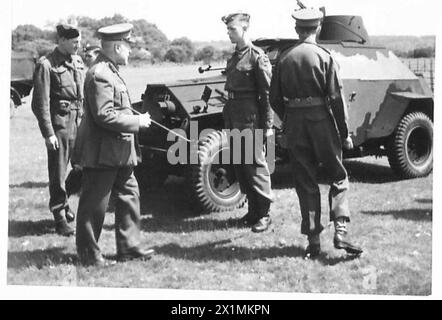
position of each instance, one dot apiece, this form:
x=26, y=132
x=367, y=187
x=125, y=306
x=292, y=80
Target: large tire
x=410, y=148
x=214, y=187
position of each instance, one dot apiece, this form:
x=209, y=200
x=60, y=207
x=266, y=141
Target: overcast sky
x=200, y=19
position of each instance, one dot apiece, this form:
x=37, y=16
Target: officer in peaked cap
x=90, y=54
x=248, y=74
x=107, y=149
x=57, y=103
x=315, y=127
x=117, y=32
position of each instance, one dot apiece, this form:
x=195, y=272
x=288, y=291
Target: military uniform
x=306, y=92
x=107, y=150
x=248, y=75
x=57, y=104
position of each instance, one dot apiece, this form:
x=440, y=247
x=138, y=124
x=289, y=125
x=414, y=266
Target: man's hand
x=52, y=143
x=145, y=120
x=348, y=143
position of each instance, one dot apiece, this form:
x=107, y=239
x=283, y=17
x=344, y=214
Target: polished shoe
x=70, y=215
x=312, y=251
x=262, y=224
x=135, y=254
x=62, y=228
x=340, y=242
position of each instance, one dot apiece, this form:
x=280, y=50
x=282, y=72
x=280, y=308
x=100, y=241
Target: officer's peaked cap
x=117, y=32
x=308, y=17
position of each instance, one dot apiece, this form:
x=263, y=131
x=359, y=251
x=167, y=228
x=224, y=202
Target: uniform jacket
x=249, y=70
x=106, y=136
x=308, y=70
x=58, y=86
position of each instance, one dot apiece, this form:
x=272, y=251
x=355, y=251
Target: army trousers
x=253, y=176
x=313, y=143
x=97, y=186
x=65, y=128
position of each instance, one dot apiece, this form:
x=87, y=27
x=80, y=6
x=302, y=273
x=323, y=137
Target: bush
x=176, y=54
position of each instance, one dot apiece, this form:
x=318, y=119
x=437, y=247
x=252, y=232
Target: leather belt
x=304, y=102
x=241, y=95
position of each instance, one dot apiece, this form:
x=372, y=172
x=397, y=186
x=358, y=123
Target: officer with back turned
x=306, y=92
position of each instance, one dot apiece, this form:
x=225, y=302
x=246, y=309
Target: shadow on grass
x=30, y=228
x=409, y=214
x=40, y=258
x=30, y=185
x=364, y=172
x=424, y=201
x=214, y=251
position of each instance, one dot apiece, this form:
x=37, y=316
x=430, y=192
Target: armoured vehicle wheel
x=213, y=185
x=410, y=151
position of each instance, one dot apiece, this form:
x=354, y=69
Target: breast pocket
x=62, y=77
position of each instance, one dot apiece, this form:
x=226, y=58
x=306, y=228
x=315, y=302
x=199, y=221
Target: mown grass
x=391, y=220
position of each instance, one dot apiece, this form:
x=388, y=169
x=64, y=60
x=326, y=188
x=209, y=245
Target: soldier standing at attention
x=107, y=150
x=248, y=74
x=57, y=104
x=306, y=92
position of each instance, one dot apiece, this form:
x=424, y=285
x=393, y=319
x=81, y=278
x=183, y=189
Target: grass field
x=391, y=220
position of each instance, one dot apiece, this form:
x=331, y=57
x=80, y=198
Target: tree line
x=152, y=45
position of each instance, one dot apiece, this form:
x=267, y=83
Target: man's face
x=70, y=46
x=123, y=51
x=90, y=57
x=235, y=31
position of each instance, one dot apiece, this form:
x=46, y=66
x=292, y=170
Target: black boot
x=263, y=208
x=61, y=225
x=70, y=215
x=340, y=240
x=250, y=218
x=314, y=247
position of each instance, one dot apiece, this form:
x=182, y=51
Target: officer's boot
x=69, y=214
x=250, y=218
x=340, y=240
x=314, y=247
x=61, y=225
x=263, y=208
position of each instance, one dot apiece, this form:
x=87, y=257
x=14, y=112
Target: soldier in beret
x=306, y=92
x=107, y=150
x=57, y=104
x=248, y=75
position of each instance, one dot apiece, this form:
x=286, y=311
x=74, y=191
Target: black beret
x=67, y=31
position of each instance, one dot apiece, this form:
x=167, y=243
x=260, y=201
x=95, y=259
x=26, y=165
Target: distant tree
x=38, y=47
x=205, y=54
x=176, y=54
x=426, y=52
x=26, y=32
x=149, y=34
x=187, y=46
